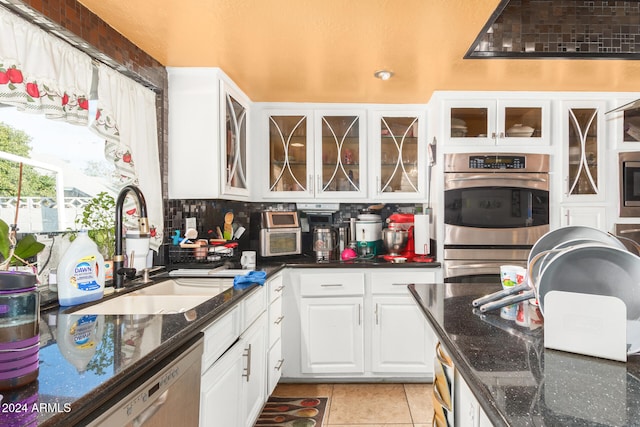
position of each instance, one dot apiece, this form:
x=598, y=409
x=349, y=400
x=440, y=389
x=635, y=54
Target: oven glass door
x=631, y=183
x=496, y=207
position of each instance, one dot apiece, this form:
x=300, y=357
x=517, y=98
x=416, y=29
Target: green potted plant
x=16, y=252
x=98, y=218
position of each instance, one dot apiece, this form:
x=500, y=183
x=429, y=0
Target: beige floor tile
x=370, y=425
x=368, y=404
x=303, y=390
x=420, y=398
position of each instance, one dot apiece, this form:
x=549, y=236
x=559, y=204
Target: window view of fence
x=63, y=168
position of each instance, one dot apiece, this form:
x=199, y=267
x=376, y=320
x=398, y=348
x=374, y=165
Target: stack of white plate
x=520, y=131
x=458, y=128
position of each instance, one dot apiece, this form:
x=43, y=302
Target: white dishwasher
x=168, y=395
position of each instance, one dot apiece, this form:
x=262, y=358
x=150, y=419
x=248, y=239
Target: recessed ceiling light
x=383, y=74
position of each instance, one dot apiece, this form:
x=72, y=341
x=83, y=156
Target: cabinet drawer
x=276, y=286
x=219, y=336
x=395, y=282
x=331, y=284
x=253, y=306
x=274, y=366
x=275, y=321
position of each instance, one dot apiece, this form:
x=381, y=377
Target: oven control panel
x=497, y=162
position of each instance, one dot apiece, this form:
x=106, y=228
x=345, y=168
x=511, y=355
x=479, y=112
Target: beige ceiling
x=328, y=50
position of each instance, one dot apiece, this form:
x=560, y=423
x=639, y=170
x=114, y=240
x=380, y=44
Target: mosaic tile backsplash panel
x=551, y=28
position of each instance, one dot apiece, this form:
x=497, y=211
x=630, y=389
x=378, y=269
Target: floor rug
x=293, y=412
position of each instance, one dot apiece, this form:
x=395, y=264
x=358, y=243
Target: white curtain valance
x=42, y=74
x=126, y=118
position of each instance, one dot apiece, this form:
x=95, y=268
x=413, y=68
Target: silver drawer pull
x=279, y=288
x=278, y=320
x=247, y=354
x=326, y=285
x=279, y=365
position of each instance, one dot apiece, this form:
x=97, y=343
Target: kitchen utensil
x=19, y=332
x=324, y=243
x=219, y=233
x=248, y=260
x=595, y=270
x=348, y=254
x=519, y=130
x=555, y=237
x=228, y=226
x=394, y=240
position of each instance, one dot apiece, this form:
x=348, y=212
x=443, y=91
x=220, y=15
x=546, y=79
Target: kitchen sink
x=187, y=286
x=146, y=304
x=169, y=296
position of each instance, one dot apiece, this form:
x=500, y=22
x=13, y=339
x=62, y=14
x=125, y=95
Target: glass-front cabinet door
x=234, y=143
x=340, y=155
x=400, y=155
x=503, y=122
x=290, y=154
x=583, y=153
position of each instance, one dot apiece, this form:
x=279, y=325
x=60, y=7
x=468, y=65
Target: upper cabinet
x=207, y=135
x=316, y=154
x=583, y=153
x=399, y=155
x=503, y=122
x=234, y=147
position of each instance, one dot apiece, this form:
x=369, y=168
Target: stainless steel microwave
x=629, y=183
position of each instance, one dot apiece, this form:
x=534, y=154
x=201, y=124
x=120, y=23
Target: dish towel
x=246, y=280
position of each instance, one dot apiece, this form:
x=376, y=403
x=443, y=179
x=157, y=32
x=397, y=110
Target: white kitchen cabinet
x=207, y=147
x=221, y=390
x=331, y=322
x=588, y=216
x=234, y=371
x=399, y=154
x=254, y=376
x=583, y=153
x=315, y=154
x=234, y=141
x=487, y=122
x=356, y=323
x=275, y=287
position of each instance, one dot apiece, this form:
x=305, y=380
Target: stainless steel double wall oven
x=496, y=206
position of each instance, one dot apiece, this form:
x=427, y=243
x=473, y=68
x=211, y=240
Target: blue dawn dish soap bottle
x=80, y=272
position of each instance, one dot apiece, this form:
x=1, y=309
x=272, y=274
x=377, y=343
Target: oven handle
x=484, y=177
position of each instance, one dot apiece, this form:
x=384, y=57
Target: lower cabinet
x=233, y=386
x=356, y=323
x=332, y=334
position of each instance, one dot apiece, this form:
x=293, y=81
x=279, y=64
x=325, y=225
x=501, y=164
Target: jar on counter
x=19, y=333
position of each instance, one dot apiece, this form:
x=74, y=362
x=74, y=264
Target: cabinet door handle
x=279, y=288
x=278, y=320
x=376, y=313
x=310, y=184
x=359, y=314
x=378, y=189
x=501, y=135
x=493, y=135
x=247, y=370
x=319, y=183
x=279, y=365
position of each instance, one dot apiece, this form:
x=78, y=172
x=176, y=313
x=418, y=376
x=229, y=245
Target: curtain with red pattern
x=126, y=118
x=42, y=74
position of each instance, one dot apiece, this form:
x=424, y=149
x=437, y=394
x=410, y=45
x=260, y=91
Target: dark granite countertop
x=119, y=349
x=518, y=382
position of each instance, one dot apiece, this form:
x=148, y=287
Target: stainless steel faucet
x=118, y=258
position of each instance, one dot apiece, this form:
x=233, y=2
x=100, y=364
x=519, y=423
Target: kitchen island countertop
x=517, y=381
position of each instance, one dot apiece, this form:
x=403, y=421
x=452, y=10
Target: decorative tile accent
x=566, y=29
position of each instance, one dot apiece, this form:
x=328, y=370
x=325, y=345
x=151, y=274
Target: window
x=63, y=165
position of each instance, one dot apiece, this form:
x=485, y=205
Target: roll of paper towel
x=421, y=234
